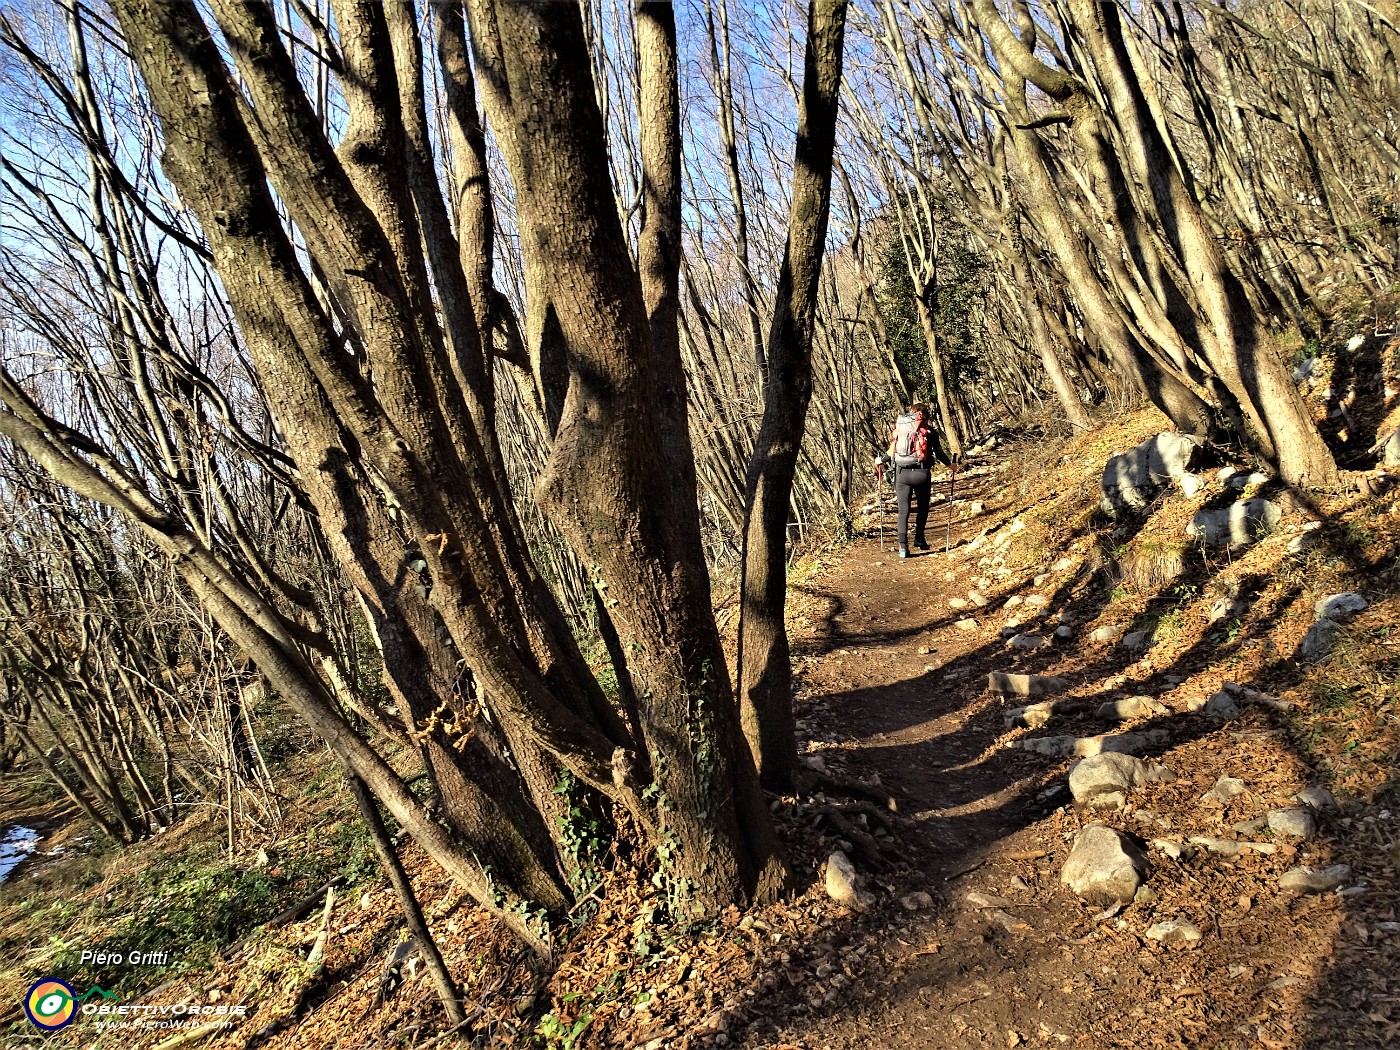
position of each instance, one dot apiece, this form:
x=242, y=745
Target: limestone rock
x=1131, y=707
x=1025, y=684
x=1228, y=609
x=1026, y=643
x=1133, y=479
x=1294, y=822
x=1107, y=633
x=1062, y=565
x=1222, y=705
x=1224, y=790
x=1119, y=743
x=957, y=603
x=916, y=901
x=1104, y=866
x=1013, y=601
x=977, y=507
x=1339, y=608
x=966, y=625
x=1112, y=771
x=1136, y=640
x=1316, y=797
x=1303, y=879
x=1174, y=931
x=1235, y=525
x=1032, y=716
x=1050, y=746
x=977, y=598
x=1321, y=639
x=841, y=884
x=1191, y=484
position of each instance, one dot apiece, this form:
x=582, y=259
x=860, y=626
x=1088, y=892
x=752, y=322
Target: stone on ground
x=841, y=884
x=1111, y=771
x=1107, y=633
x=1225, y=789
x=1131, y=707
x=1025, y=684
x=1174, y=931
x=1132, y=480
x=967, y=624
x=1294, y=822
x=1235, y=525
x=1322, y=638
x=1303, y=879
x=1339, y=608
x=1104, y=866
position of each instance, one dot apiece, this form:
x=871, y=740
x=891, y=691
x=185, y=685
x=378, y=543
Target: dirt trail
x=891, y=684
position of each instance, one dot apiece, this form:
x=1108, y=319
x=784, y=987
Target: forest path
x=890, y=683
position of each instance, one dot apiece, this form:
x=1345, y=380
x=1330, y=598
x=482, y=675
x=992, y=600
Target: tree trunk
x=765, y=663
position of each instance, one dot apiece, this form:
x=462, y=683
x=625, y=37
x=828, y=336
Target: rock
x=1013, y=601
x=1321, y=639
x=1039, y=580
x=1293, y=822
x=978, y=899
x=1145, y=895
x=1062, y=565
x=1050, y=746
x=1228, y=609
x=1305, y=369
x=978, y=599
x=1174, y=850
x=1174, y=931
x=1224, y=790
x=1107, y=633
x=1222, y=705
x=1011, y=630
x=841, y=883
x=1112, y=771
x=1303, y=879
x=1026, y=643
x=1017, y=526
x=815, y=763
x=1226, y=473
x=916, y=901
x=1025, y=684
x=957, y=603
x=1136, y=640
x=1249, y=828
x=1243, y=481
x=1191, y=484
x=1235, y=525
x=1304, y=542
x=1316, y=797
x=1104, y=866
x=966, y=625
x=977, y=507
x=1339, y=608
x=1037, y=601
x=1033, y=716
x=1390, y=451
x=1064, y=632
x=1132, y=707
x=1133, y=479
x=1121, y=743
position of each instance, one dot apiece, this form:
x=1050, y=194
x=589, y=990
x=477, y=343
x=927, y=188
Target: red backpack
x=910, y=441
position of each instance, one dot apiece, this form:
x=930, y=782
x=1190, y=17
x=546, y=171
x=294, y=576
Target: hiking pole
x=880, y=498
x=948, y=533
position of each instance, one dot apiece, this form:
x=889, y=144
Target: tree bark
x=765, y=662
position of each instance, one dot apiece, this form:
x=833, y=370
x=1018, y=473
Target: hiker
x=914, y=445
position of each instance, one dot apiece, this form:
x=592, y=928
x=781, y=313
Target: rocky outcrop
x=1134, y=478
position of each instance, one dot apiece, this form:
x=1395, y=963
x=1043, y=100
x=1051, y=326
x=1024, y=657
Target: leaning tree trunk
x=765, y=662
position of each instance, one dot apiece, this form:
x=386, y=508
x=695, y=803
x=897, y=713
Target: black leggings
x=912, y=482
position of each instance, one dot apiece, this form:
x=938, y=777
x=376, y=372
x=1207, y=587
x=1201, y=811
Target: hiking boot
x=903, y=552
x=920, y=545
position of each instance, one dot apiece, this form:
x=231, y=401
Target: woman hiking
x=914, y=446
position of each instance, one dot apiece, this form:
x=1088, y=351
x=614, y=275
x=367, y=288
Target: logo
x=50, y=1004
